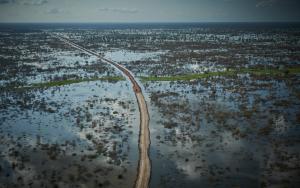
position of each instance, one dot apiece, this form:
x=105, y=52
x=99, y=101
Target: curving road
x=144, y=168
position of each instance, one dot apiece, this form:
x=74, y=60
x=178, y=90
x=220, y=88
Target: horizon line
x=152, y=22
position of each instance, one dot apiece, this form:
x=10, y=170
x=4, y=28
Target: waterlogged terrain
x=67, y=120
x=224, y=105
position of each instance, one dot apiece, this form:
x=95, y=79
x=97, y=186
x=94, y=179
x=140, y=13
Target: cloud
x=266, y=3
x=119, y=10
x=6, y=1
x=54, y=11
x=35, y=2
x=25, y=2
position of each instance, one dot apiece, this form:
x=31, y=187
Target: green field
x=230, y=72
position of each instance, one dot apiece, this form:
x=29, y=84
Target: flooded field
x=224, y=105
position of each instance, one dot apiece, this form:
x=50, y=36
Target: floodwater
x=221, y=131
x=26, y=130
x=127, y=56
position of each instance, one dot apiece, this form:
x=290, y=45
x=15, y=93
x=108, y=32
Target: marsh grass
x=72, y=81
x=228, y=73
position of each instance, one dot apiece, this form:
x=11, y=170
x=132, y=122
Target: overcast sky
x=149, y=10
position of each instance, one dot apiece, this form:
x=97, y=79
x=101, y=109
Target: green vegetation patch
x=230, y=72
x=74, y=81
x=187, y=76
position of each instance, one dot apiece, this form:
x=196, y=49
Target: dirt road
x=144, y=168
